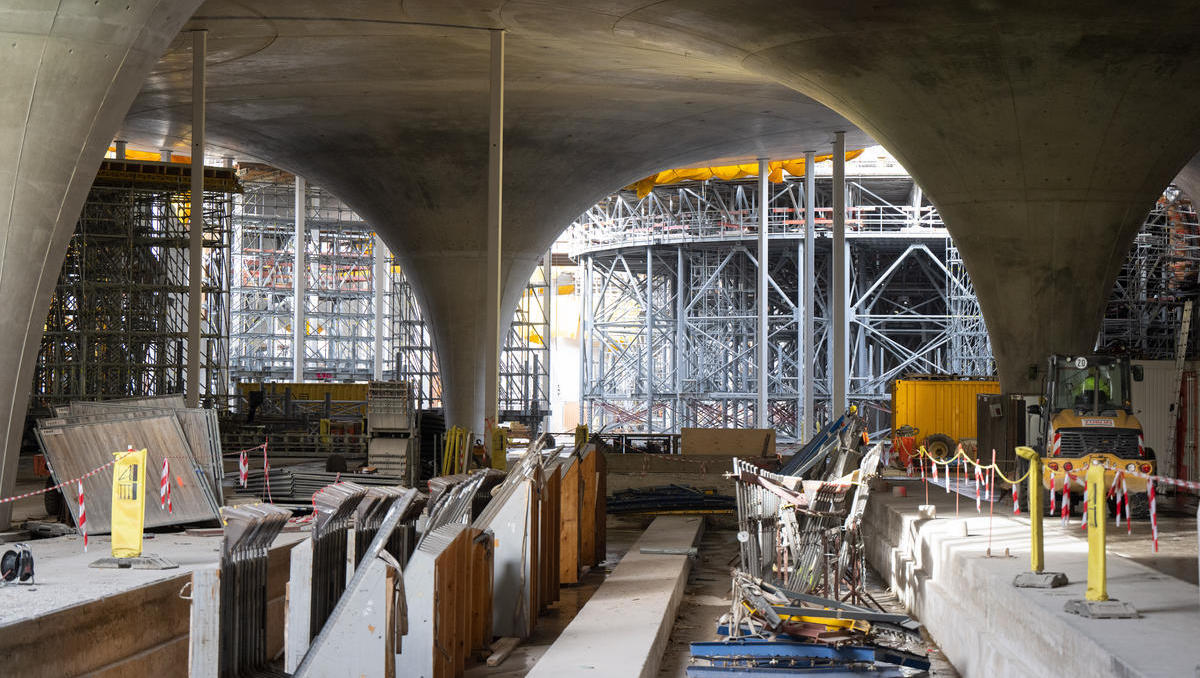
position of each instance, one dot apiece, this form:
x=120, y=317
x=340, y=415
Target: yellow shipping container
x=312, y=391
x=938, y=406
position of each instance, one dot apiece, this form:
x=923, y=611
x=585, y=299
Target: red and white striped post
x=82, y=517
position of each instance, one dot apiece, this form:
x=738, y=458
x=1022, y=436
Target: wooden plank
x=587, y=511
x=741, y=442
x=601, y=522
x=569, y=539
x=501, y=649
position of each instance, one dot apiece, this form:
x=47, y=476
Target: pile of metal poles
x=249, y=532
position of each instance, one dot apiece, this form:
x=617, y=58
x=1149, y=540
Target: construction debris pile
x=799, y=598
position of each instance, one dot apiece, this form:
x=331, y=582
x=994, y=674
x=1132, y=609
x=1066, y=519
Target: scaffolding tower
x=669, y=302
x=339, y=290
x=1160, y=274
x=117, y=324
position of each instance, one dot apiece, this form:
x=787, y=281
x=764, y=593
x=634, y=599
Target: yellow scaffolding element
x=728, y=172
x=1037, y=556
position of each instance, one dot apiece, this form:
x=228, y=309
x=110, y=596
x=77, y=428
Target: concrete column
x=120, y=145
x=164, y=155
x=839, y=283
x=495, y=201
x=808, y=345
x=65, y=125
x=196, y=221
x=763, y=325
x=382, y=282
x=299, y=282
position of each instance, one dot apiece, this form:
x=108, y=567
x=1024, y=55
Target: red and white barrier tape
x=1016, y=505
x=243, y=467
x=1053, y=496
x=58, y=486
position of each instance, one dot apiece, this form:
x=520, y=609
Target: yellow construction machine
x=1087, y=415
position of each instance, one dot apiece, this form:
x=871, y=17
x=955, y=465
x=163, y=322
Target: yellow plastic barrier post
x=1036, y=578
x=128, y=503
x=1096, y=603
x=1097, y=507
x=499, y=448
x=1037, y=558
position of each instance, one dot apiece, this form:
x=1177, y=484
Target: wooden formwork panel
x=571, y=495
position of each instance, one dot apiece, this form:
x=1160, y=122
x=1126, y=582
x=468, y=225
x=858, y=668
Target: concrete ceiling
x=1043, y=131
x=386, y=105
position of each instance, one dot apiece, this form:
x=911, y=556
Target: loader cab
x=1089, y=385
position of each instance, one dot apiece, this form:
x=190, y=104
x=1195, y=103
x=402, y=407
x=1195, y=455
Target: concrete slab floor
x=947, y=574
x=64, y=578
x=622, y=533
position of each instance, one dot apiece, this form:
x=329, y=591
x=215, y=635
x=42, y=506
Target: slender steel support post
x=299, y=281
x=196, y=221
x=808, y=349
x=763, y=327
x=492, y=287
x=382, y=282
x=840, y=282
x=680, y=358
x=649, y=309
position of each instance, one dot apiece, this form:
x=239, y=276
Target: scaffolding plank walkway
x=623, y=628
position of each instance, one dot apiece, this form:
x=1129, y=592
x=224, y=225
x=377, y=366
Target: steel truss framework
x=339, y=298
x=670, y=291
x=117, y=324
x=340, y=304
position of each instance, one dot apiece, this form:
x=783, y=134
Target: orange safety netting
x=728, y=172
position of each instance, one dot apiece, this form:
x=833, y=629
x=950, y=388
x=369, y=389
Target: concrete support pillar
x=808, y=350
x=383, y=284
x=495, y=201
x=120, y=146
x=196, y=221
x=763, y=324
x=299, y=282
x=840, y=282
x=164, y=155
x=64, y=125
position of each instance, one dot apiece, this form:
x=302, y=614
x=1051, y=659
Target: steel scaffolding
x=1159, y=275
x=669, y=290
x=117, y=324
x=339, y=306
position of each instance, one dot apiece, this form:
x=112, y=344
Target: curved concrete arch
x=70, y=71
x=1043, y=133
x=403, y=142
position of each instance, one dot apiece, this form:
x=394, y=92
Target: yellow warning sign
x=128, y=503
